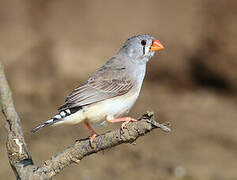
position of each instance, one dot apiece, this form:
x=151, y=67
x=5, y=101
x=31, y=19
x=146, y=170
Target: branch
x=15, y=140
x=18, y=154
x=16, y=146
x=82, y=148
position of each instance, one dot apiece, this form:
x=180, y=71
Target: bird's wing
x=106, y=83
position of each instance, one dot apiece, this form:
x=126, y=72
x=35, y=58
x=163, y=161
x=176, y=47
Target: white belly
x=110, y=108
x=104, y=110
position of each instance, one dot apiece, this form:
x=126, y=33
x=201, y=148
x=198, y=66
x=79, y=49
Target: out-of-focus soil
x=49, y=47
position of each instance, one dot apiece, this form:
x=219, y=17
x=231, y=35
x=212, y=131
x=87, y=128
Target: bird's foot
x=125, y=121
x=129, y=119
x=93, y=135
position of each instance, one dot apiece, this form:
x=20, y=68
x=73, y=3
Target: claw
x=129, y=119
x=125, y=121
x=93, y=135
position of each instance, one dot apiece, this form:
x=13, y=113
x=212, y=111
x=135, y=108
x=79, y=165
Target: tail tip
x=37, y=128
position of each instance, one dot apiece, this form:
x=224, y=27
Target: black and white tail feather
x=57, y=118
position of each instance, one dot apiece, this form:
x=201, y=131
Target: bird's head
x=141, y=47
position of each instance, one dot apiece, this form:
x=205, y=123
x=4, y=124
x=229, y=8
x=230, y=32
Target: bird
x=109, y=94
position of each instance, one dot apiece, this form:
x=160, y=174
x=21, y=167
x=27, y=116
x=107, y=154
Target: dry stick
x=18, y=153
x=16, y=146
x=82, y=147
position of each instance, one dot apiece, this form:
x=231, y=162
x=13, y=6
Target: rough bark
x=19, y=156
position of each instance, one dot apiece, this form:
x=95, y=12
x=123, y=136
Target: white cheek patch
x=147, y=49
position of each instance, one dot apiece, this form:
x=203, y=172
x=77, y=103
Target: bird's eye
x=143, y=42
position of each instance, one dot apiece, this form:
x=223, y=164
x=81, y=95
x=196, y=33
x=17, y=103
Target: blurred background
x=49, y=47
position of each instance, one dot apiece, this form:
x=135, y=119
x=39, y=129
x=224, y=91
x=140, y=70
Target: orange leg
x=125, y=121
x=93, y=133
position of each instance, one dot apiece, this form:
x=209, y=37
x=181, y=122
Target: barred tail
x=55, y=119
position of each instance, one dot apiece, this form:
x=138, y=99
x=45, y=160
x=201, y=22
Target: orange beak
x=156, y=46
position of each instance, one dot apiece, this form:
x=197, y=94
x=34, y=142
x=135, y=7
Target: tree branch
x=18, y=154
x=16, y=146
x=82, y=148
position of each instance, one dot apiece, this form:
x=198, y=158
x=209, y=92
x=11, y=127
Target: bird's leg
x=125, y=121
x=93, y=133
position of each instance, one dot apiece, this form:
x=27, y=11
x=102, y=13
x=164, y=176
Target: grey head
x=141, y=47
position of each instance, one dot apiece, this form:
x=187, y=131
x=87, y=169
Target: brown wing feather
x=109, y=81
x=95, y=91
